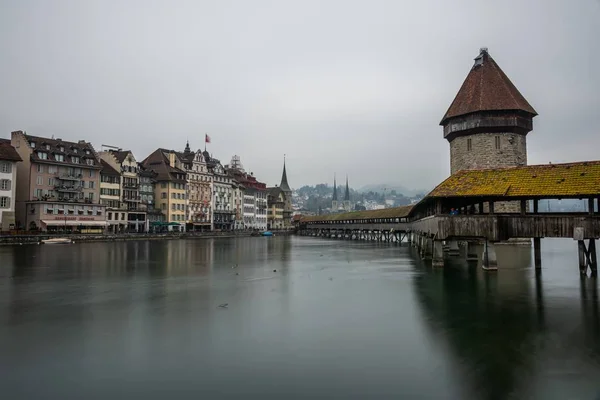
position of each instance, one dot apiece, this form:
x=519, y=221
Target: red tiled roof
x=7, y=152
x=487, y=88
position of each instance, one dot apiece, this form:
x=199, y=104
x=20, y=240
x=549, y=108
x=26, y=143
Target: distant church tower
x=334, y=199
x=287, y=191
x=347, y=205
x=488, y=120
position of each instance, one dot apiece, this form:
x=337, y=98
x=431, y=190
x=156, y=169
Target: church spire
x=284, y=182
x=347, y=194
x=334, y=189
x=187, y=147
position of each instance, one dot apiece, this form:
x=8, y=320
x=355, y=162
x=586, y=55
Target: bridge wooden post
x=537, y=252
x=438, y=254
x=489, y=260
x=582, y=257
x=593, y=261
x=427, y=247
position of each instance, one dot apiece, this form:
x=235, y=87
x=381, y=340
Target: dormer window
x=62, y=149
x=42, y=155
x=75, y=150
x=47, y=147
x=59, y=157
x=32, y=144
x=87, y=151
x=89, y=161
x=75, y=160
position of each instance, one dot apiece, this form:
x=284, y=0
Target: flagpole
x=204, y=141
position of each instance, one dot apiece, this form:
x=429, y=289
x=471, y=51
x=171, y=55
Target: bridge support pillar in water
x=453, y=249
x=472, y=251
x=488, y=257
x=587, y=257
x=438, y=254
x=537, y=252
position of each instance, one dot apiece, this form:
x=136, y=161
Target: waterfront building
x=276, y=204
x=253, y=204
x=487, y=123
x=110, y=197
x=222, y=190
x=59, y=185
x=154, y=217
x=130, y=200
x=170, y=190
x=8, y=180
x=199, y=210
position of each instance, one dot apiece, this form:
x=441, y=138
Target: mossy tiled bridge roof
x=548, y=181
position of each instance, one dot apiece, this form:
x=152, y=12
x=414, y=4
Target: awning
x=73, y=223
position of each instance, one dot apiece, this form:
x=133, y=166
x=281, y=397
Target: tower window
x=469, y=144
x=497, y=142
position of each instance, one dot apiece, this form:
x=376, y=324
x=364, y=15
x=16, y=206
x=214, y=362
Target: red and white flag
x=206, y=138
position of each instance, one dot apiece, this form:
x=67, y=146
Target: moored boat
x=57, y=241
x=267, y=233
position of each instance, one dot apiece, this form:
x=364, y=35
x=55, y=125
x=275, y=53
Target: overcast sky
x=356, y=87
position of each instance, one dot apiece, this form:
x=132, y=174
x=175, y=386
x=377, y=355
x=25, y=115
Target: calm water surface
x=337, y=319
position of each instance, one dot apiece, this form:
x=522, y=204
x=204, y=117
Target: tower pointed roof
x=487, y=88
x=187, y=147
x=334, y=189
x=347, y=193
x=284, y=182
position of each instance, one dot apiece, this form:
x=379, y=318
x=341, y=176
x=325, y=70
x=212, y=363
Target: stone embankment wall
x=32, y=239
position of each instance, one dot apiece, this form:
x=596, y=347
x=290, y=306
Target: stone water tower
x=488, y=121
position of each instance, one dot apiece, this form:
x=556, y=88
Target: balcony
x=68, y=188
x=70, y=177
x=131, y=185
x=130, y=199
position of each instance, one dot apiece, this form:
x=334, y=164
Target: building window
x=497, y=142
x=89, y=161
x=4, y=202
x=469, y=145
x=40, y=168
x=52, y=169
x=59, y=157
x=75, y=160
x=32, y=144
x=42, y=155
x=6, y=167
x=4, y=184
x=92, y=173
x=40, y=180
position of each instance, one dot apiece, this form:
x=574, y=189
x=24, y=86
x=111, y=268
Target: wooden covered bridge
x=483, y=206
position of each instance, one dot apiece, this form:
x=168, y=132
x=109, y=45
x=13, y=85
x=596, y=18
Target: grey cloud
x=344, y=86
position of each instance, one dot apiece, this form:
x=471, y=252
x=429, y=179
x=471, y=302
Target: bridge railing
x=495, y=227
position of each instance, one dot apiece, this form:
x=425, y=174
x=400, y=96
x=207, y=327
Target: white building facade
x=8, y=181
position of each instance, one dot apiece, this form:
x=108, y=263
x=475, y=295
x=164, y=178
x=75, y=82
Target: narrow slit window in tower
x=497, y=142
x=469, y=145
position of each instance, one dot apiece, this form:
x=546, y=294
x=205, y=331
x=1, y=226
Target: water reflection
x=307, y=317
x=502, y=331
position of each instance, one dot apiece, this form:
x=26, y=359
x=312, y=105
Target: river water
x=306, y=318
